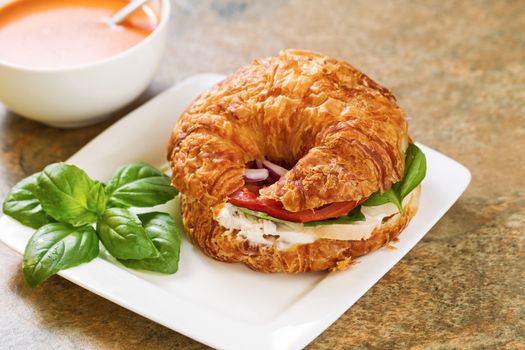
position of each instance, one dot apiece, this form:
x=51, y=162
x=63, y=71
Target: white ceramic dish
x=84, y=94
x=223, y=305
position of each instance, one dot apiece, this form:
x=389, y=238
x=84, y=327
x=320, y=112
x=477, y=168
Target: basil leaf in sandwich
x=263, y=216
x=378, y=198
x=354, y=215
x=415, y=171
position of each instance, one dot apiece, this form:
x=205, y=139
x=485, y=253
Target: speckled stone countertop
x=457, y=67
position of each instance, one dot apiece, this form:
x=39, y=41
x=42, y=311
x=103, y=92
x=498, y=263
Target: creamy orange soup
x=56, y=33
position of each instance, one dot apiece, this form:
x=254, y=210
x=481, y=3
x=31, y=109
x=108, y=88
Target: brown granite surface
x=458, y=67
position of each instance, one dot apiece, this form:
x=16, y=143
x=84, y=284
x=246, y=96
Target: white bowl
x=85, y=94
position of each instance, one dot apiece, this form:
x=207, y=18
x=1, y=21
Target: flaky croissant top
x=341, y=134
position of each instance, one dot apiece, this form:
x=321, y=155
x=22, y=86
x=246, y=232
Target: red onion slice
x=256, y=175
x=275, y=170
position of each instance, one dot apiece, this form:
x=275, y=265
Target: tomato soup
x=57, y=33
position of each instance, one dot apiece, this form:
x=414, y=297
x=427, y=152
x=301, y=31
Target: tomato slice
x=248, y=197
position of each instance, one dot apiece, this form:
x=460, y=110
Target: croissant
x=341, y=134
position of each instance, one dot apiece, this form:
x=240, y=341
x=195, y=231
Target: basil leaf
x=394, y=198
x=55, y=247
x=66, y=194
x=354, y=215
x=262, y=215
x=122, y=234
x=97, y=198
x=389, y=196
x=22, y=204
x=139, y=185
x=164, y=233
x=415, y=171
x=376, y=199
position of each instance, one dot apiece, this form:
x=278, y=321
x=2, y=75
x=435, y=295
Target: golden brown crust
x=323, y=254
x=342, y=133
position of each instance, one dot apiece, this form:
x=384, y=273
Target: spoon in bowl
x=124, y=12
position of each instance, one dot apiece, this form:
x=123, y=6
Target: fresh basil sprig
x=163, y=232
x=66, y=194
x=22, y=204
x=56, y=247
x=415, y=171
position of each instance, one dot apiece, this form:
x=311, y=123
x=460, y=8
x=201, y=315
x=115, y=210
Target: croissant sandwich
x=295, y=163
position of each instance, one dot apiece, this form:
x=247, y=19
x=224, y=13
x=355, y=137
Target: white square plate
x=224, y=305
